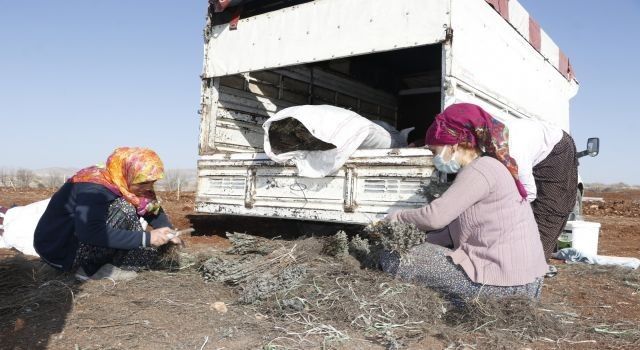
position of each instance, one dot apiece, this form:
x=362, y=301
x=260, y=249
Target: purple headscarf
x=468, y=123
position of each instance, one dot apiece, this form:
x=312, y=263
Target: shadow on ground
x=266, y=227
x=34, y=301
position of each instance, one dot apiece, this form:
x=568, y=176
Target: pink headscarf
x=468, y=123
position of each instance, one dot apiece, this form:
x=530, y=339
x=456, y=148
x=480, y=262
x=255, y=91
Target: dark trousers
x=557, y=185
x=121, y=215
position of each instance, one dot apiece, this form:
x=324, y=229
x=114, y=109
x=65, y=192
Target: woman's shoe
x=80, y=275
x=107, y=271
x=553, y=271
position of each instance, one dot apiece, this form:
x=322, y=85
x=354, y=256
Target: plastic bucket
x=581, y=235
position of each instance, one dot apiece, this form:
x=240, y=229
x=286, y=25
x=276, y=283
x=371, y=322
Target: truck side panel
x=302, y=55
x=323, y=30
x=489, y=55
x=371, y=183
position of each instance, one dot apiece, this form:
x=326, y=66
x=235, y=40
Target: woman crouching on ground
x=483, y=216
x=92, y=223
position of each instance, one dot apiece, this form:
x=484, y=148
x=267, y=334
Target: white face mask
x=448, y=167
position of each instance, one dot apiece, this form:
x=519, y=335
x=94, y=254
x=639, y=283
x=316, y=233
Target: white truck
x=399, y=61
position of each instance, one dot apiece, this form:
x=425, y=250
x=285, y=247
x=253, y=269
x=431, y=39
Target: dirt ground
x=334, y=305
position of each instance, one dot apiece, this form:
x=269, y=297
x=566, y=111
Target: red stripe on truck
x=502, y=6
x=534, y=34
x=220, y=5
x=565, y=66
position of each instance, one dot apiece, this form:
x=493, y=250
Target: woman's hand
x=177, y=240
x=164, y=235
x=160, y=236
x=393, y=216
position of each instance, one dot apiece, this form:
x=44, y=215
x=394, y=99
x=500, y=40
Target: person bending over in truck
x=92, y=223
x=548, y=169
x=483, y=216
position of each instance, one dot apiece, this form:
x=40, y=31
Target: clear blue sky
x=601, y=39
x=78, y=78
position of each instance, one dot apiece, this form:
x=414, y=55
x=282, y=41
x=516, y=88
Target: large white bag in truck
x=342, y=128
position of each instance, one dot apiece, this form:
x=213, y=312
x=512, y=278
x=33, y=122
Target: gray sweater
x=494, y=234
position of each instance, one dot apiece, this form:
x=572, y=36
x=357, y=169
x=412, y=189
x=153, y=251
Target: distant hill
x=620, y=186
x=55, y=170
x=186, y=177
x=54, y=177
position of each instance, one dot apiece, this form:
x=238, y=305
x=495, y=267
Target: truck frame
x=400, y=61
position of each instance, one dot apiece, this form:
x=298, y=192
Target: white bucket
x=581, y=235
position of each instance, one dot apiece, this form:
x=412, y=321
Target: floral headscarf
x=468, y=123
x=127, y=166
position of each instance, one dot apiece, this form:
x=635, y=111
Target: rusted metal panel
x=226, y=114
x=401, y=153
x=349, y=190
x=293, y=84
x=369, y=108
x=295, y=98
x=327, y=215
x=226, y=189
x=276, y=190
x=266, y=77
x=250, y=102
x=243, y=102
x=338, y=83
x=250, y=188
x=233, y=133
x=208, y=111
x=266, y=90
x=322, y=95
x=233, y=81
x=349, y=102
x=386, y=190
x=369, y=185
x=364, y=158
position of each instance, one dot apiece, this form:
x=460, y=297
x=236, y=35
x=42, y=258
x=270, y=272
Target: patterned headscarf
x=468, y=123
x=127, y=166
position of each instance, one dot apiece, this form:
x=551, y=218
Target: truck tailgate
x=365, y=189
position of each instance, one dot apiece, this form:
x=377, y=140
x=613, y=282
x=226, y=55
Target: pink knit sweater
x=494, y=233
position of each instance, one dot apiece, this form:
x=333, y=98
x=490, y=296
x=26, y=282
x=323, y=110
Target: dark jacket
x=78, y=213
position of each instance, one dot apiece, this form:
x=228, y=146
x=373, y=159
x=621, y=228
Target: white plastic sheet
x=19, y=226
x=343, y=128
x=574, y=255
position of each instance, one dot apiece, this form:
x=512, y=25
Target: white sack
x=343, y=128
x=400, y=138
x=20, y=225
